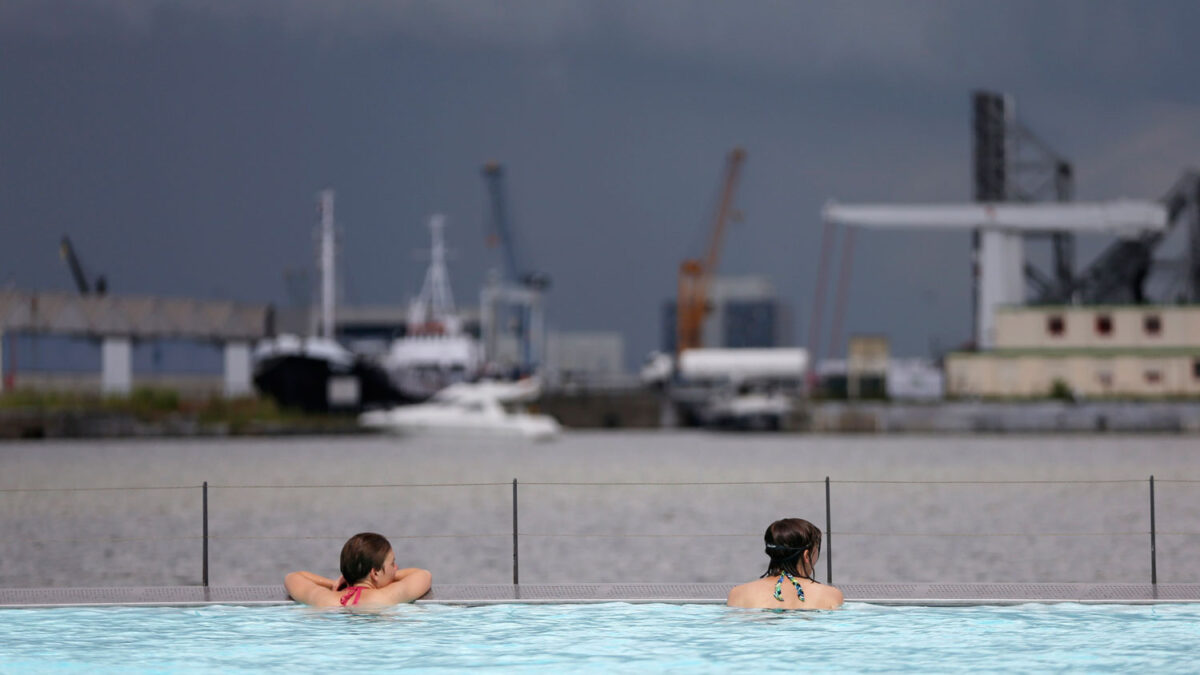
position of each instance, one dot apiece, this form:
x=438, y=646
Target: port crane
x=67, y=251
x=520, y=289
x=695, y=275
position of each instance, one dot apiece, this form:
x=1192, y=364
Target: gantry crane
x=520, y=291
x=500, y=234
x=696, y=274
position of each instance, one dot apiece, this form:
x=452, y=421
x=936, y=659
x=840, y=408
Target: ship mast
x=327, y=272
x=433, y=310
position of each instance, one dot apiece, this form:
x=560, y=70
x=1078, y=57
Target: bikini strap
x=355, y=591
x=779, y=586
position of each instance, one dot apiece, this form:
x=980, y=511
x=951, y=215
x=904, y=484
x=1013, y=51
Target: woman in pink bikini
x=369, y=578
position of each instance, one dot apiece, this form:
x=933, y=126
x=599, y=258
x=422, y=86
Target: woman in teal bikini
x=793, y=545
x=369, y=578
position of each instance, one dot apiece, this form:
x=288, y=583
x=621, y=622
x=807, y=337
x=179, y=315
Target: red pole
x=839, y=309
x=10, y=373
x=814, y=323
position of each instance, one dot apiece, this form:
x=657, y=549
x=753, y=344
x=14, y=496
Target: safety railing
x=827, y=546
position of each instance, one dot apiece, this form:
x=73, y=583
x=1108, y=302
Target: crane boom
x=493, y=175
x=695, y=275
x=68, y=254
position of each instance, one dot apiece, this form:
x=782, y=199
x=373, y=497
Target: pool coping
x=916, y=594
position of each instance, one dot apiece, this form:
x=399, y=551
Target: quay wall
x=647, y=410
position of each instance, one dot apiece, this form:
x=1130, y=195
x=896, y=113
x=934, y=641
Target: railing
x=827, y=547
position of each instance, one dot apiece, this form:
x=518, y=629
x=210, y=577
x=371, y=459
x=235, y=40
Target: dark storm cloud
x=180, y=143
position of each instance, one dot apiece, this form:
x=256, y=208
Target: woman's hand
x=339, y=584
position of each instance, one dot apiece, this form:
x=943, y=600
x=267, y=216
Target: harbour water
x=691, y=507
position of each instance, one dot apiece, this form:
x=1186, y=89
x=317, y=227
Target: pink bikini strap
x=355, y=591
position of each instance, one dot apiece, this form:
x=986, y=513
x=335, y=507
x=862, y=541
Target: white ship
x=436, y=352
x=485, y=408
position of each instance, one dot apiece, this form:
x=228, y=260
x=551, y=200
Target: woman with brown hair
x=369, y=578
x=793, y=546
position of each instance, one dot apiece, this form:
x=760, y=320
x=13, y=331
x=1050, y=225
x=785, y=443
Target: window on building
x=1105, y=378
x=1196, y=368
x=1152, y=323
x=1104, y=324
x=1055, y=325
x=1153, y=377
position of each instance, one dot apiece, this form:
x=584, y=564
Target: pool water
x=602, y=638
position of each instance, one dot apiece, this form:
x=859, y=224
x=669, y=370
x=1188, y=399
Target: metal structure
x=517, y=293
x=1013, y=164
x=325, y=207
x=433, y=309
x=1015, y=173
x=1120, y=273
x=1001, y=228
x=695, y=275
x=67, y=251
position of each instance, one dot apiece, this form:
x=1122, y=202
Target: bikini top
x=352, y=595
x=795, y=582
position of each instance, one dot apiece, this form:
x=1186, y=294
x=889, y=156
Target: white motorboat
x=748, y=410
x=478, y=408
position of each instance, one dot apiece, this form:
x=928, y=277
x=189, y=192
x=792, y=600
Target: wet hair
x=362, y=553
x=786, y=541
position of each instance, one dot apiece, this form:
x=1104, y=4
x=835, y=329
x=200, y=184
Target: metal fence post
x=516, y=567
x=204, y=500
x=828, y=538
x=1153, y=551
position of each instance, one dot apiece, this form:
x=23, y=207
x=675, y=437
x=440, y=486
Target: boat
x=749, y=389
x=315, y=373
x=483, y=408
x=747, y=409
x=436, y=352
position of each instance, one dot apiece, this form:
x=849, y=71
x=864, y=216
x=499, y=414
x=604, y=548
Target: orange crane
x=694, y=275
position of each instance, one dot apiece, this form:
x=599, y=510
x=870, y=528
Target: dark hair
x=362, y=553
x=786, y=541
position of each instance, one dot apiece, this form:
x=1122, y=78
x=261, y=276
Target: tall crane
x=521, y=288
x=67, y=251
x=500, y=232
x=695, y=275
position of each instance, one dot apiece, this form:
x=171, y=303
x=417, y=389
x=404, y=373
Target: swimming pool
x=602, y=638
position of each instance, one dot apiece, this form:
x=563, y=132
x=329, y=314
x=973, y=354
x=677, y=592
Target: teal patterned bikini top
x=779, y=586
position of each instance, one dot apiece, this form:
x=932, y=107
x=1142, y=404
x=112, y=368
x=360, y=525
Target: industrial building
x=1090, y=351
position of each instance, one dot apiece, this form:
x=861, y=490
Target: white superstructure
x=436, y=352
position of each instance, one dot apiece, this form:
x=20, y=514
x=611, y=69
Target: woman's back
x=760, y=593
x=793, y=546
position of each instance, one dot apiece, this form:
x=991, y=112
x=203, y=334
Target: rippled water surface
x=604, y=638
x=1078, y=510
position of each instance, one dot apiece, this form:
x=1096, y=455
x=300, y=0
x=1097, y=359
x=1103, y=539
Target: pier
x=118, y=321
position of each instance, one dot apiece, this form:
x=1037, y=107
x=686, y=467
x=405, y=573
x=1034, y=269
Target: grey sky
x=181, y=144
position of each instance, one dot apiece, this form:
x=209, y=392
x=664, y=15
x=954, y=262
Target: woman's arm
x=307, y=587
x=409, y=584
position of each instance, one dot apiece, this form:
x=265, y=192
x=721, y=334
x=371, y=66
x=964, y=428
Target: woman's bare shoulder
x=827, y=596
x=744, y=595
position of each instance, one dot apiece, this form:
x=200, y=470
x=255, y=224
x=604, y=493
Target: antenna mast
x=327, y=271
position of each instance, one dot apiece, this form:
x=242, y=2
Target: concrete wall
x=1027, y=375
x=188, y=385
